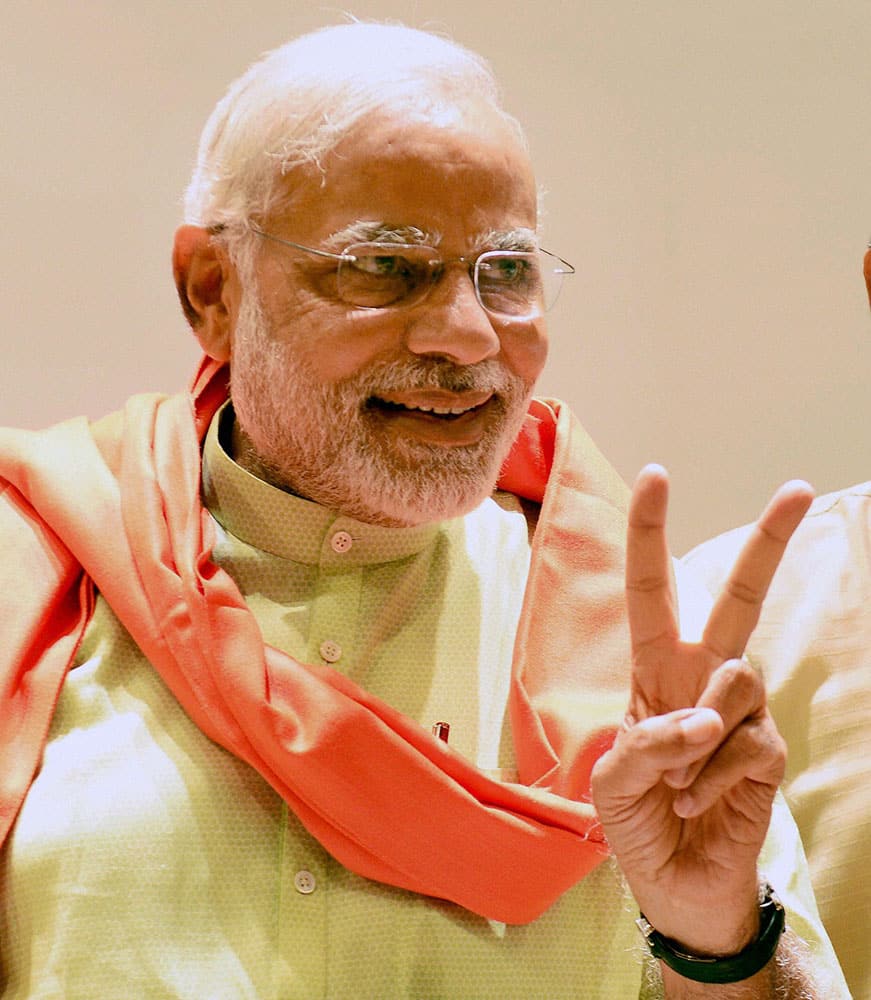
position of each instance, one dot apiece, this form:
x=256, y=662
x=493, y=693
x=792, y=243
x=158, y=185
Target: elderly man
x=813, y=645
x=294, y=705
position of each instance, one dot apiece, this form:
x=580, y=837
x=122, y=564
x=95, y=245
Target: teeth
x=438, y=411
x=443, y=411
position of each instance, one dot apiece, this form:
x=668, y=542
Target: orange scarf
x=115, y=507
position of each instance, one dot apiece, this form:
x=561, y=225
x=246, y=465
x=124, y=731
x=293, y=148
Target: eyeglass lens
x=507, y=283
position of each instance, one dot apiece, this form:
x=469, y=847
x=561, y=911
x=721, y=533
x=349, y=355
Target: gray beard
x=321, y=442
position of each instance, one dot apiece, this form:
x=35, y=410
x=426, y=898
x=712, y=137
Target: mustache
x=434, y=373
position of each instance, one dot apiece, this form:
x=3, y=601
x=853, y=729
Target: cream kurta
x=147, y=862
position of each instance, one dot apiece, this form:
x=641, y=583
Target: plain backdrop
x=707, y=168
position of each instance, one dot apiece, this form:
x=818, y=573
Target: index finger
x=737, y=609
x=650, y=597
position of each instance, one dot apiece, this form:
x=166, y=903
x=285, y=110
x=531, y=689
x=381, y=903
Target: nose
x=451, y=323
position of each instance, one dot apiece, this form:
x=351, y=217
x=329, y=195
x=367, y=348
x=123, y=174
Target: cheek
x=524, y=349
x=336, y=344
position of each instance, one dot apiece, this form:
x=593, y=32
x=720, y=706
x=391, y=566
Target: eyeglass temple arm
x=298, y=246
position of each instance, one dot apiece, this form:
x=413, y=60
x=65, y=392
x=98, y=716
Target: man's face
x=399, y=415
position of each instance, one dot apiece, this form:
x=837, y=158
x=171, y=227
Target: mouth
x=435, y=417
x=448, y=413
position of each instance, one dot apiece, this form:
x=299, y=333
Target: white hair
x=298, y=101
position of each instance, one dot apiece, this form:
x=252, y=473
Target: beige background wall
x=709, y=174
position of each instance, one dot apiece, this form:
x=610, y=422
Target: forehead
x=442, y=178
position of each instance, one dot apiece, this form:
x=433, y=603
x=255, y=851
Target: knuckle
x=642, y=736
x=597, y=776
x=647, y=584
x=744, y=593
x=742, y=680
x=777, y=539
x=759, y=741
x=649, y=738
x=777, y=744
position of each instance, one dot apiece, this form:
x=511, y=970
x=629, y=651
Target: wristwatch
x=732, y=968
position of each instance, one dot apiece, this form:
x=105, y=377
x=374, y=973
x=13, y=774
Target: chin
x=389, y=480
x=408, y=501
x=425, y=483
x=410, y=515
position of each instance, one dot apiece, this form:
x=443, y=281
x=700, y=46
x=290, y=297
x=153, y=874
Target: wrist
x=706, y=924
x=723, y=967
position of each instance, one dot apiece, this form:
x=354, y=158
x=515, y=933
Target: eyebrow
x=370, y=231
x=521, y=238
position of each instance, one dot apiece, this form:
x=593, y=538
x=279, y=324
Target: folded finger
x=750, y=764
x=642, y=754
x=736, y=692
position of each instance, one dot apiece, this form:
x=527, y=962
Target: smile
x=436, y=417
x=434, y=411
x=432, y=403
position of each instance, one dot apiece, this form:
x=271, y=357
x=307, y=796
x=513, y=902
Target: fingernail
x=684, y=805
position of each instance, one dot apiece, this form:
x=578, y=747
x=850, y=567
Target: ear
x=868, y=273
x=203, y=276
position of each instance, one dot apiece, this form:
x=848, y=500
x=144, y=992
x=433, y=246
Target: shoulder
x=849, y=502
x=835, y=521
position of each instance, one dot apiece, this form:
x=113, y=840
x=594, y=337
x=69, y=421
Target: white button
x=304, y=882
x=331, y=651
x=341, y=542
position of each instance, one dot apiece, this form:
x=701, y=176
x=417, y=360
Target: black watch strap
x=733, y=968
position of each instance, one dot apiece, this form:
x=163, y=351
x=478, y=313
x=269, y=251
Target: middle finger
x=736, y=611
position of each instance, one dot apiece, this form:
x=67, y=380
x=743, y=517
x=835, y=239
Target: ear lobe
x=200, y=269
